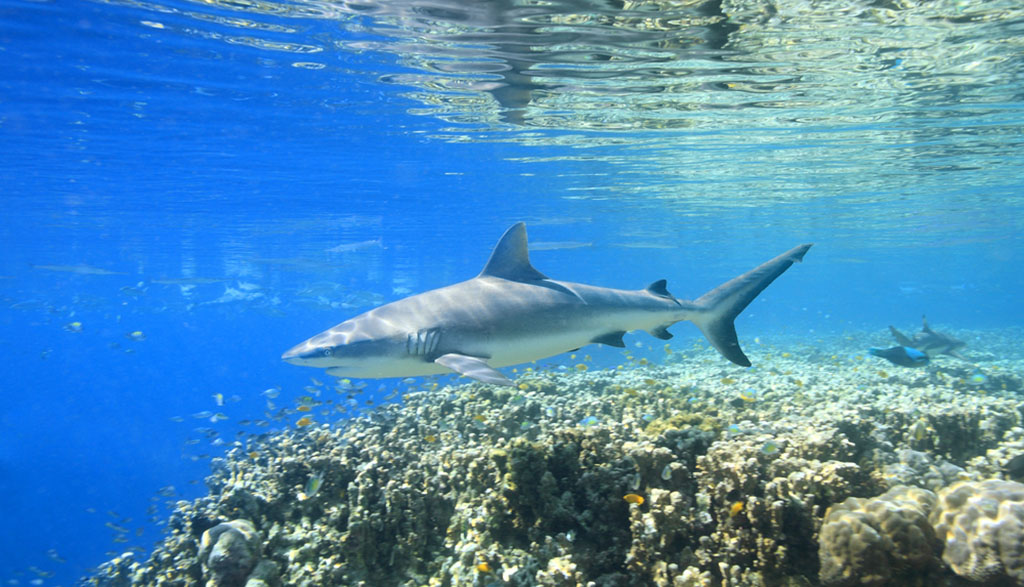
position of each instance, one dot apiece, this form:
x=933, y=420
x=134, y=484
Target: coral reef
x=879, y=541
x=813, y=468
x=983, y=527
x=229, y=552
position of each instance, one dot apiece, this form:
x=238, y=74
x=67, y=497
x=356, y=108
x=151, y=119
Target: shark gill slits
x=423, y=342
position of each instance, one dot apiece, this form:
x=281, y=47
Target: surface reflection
x=615, y=65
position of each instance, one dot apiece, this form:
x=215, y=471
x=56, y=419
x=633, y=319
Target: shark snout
x=306, y=354
x=293, y=355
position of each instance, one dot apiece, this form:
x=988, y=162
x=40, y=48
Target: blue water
x=184, y=169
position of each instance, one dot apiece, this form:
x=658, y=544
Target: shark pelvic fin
x=610, y=339
x=660, y=332
x=720, y=306
x=510, y=258
x=474, y=368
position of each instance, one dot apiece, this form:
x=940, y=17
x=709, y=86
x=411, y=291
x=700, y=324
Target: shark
x=930, y=342
x=511, y=313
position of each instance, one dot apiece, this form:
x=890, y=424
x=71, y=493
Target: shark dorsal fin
x=660, y=289
x=510, y=258
x=924, y=325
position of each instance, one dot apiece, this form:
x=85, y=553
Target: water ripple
x=670, y=65
x=602, y=65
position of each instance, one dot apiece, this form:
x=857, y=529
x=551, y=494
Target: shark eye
x=327, y=352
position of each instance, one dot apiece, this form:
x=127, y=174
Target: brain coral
x=982, y=525
x=878, y=541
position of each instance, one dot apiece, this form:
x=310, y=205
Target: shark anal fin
x=660, y=332
x=610, y=339
x=474, y=368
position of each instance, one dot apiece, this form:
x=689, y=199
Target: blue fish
x=904, y=356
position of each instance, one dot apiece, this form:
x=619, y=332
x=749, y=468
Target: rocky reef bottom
x=819, y=466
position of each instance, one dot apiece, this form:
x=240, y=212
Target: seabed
x=821, y=465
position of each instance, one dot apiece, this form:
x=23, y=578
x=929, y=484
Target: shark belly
x=526, y=350
x=389, y=367
x=556, y=334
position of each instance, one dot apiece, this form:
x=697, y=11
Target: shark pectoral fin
x=474, y=368
x=610, y=339
x=956, y=354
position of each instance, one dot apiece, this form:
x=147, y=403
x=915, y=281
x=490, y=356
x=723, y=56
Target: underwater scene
x=512, y=292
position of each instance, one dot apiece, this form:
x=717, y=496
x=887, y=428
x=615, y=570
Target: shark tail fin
x=717, y=309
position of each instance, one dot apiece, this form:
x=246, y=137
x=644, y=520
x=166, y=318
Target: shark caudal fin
x=718, y=308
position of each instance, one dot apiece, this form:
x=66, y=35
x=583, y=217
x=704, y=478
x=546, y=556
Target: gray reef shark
x=930, y=342
x=511, y=313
